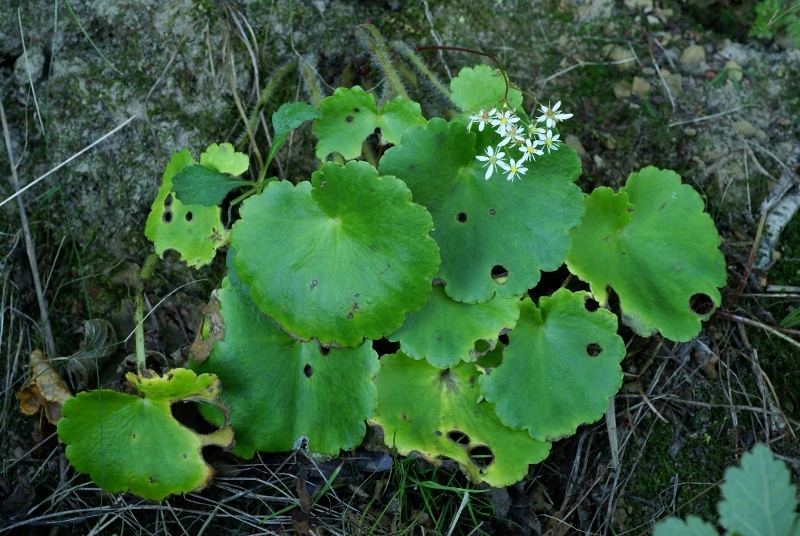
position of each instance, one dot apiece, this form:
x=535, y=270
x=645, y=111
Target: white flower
x=482, y=117
x=513, y=133
x=530, y=151
x=550, y=141
x=492, y=159
x=514, y=169
x=502, y=121
x=551, y=116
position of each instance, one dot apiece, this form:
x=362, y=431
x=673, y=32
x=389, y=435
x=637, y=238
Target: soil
x=648, y=83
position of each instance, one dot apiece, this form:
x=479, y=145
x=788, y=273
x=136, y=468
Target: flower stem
x=138, y=315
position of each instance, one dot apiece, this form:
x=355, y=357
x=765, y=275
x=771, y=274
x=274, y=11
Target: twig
x=49, y=341
x=705, y=117
x=774, y=330
x=749, y=266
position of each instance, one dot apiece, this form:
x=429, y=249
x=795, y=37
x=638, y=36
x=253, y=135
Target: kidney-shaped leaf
x=436, y=413
x=280, y=390
x=495, y=236
x=481, y=87
x=349, y=116
x=445, y=331
x=339, y=262
x=654, y=245
x=560, y=367
x=194, y=231
x=133, y=443
x=759, y=498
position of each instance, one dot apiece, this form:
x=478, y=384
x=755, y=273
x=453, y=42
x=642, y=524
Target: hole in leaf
x=349, y=118
x=492, y=212
x=503, y=338
x=385, y=347
x=188, y=414
x=324, y=350
x=594, y=349
x=167, y=216
x=482, y=456
x=189, y=216
x=701, y=304
x=168, y=200
x=308, y=371
x=152, y=480
x=461, y=217
x=357, y=110
x=457, y=436
x=481, y=346
x=499, y=274
x=591, y=305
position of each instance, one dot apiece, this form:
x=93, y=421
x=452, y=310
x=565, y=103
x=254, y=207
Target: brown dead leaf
x=46, y=389
x=211, y=330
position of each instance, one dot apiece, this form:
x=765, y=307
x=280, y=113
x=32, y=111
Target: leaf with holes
x=654, y=245
x=482, y=87
x=349, y=116
x=194, y=231
x=344, y=259
x=445, y=331
x=560, y=367
x=133, y=443
x=495, y=236
x=436, y=413
x=280, y=390
x=758, y=498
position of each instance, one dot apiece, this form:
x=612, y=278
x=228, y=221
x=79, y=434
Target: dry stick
x=48, y=332
x=749, y=266
x=777, y=331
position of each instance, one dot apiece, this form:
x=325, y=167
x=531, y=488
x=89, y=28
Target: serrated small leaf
x=291, y=115
x=560, y=367
x=436, y=413
x=339, y=261
x=194, y=231
x=481, y=87
x=693, y=526
x=201, y=185
x=495, y=236
x=654, y=245
x=445, y=331
x=280, y=390
x=225, y=159
x=758, y=498
x=133, y=443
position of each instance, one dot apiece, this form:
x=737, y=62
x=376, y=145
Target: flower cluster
x=530, y=140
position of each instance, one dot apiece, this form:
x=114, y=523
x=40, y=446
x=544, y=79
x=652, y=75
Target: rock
x=639, y=4
x=675, y=84
x=692, y=56
x=35, y=63
x=623, y=89
x=734, y=70
x=640, y=86
x=576, y=144
x=745, y=128
x=619, y=54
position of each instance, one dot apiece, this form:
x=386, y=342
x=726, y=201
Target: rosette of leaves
x=495, y=236
x=437, y=413
x=133, y=443
x=339, y=259
x=656, y=247
x=192, y=225
x=349, y=116
x=559, y=369
x=281, y=390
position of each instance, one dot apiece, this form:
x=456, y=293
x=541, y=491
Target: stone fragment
x=692, y=55
x=574, y=142
x=675, y=84
x=640, y=86
x=623, y=55
x=734, y=70
x=34, y=65
x=745, y=128
x=623, y=89
x=639, y=4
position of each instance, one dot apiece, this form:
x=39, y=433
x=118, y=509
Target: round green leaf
x=349, y=116
x=495, y=236
x=132, y=443
x=436, y=413
x=445, y=331
x=560, y=367
x=194, y=231
x=225, y=159
x=340, y=262
x=654, y=245
x=481, y=87
x=281, y=390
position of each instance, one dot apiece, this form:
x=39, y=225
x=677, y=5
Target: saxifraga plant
x=435, y=247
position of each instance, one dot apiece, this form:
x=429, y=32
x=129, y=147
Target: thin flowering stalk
x=492, y=159
x=515, y=170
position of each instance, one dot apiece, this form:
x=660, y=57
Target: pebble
x=734, y=70
x=35, y=63
x=675, y=84
x=623, y=89
x=574, y=142
x=621, y=54
x=640, y=86
x=693, y=55
x=745, y=128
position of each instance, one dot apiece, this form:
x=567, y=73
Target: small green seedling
x=434, y=245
